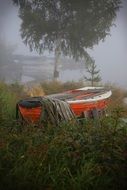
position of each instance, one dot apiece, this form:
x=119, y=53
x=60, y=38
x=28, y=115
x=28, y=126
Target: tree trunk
x=92, y=75
x=57, y=60
x=92, y=80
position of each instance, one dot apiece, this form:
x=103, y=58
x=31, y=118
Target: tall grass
x=88, y=155
x=7, y=105
x=68, y=157
x=9, y=95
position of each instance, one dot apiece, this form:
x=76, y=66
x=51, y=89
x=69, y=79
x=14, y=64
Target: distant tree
x=65, y=27
x=91, y=69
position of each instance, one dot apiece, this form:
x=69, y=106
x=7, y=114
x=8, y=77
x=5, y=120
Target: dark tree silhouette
x=91, y=69
x=65, y=27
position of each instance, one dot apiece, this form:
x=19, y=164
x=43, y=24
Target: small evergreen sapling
x=91, y=69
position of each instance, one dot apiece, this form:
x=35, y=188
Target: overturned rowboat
x=82, y=102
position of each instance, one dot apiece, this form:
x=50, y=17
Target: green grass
x=85, y=156
x=68, y=157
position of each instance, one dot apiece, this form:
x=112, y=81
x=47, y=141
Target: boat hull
x=30, y=115
x=79, y=108
x=80, y=101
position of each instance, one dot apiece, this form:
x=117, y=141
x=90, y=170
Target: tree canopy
x=71, y=25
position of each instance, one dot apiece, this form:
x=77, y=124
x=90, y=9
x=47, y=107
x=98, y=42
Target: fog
x=110, y=56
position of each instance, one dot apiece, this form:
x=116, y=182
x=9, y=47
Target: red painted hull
x=82, y=101
x=32, y=115
x=79, y=108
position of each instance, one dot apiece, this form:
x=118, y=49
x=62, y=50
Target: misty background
x=110, y=56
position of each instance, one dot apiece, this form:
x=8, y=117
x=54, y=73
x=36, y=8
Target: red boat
x=82, y=102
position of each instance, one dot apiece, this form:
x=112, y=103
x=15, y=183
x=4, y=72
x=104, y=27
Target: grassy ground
x=84, y=156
